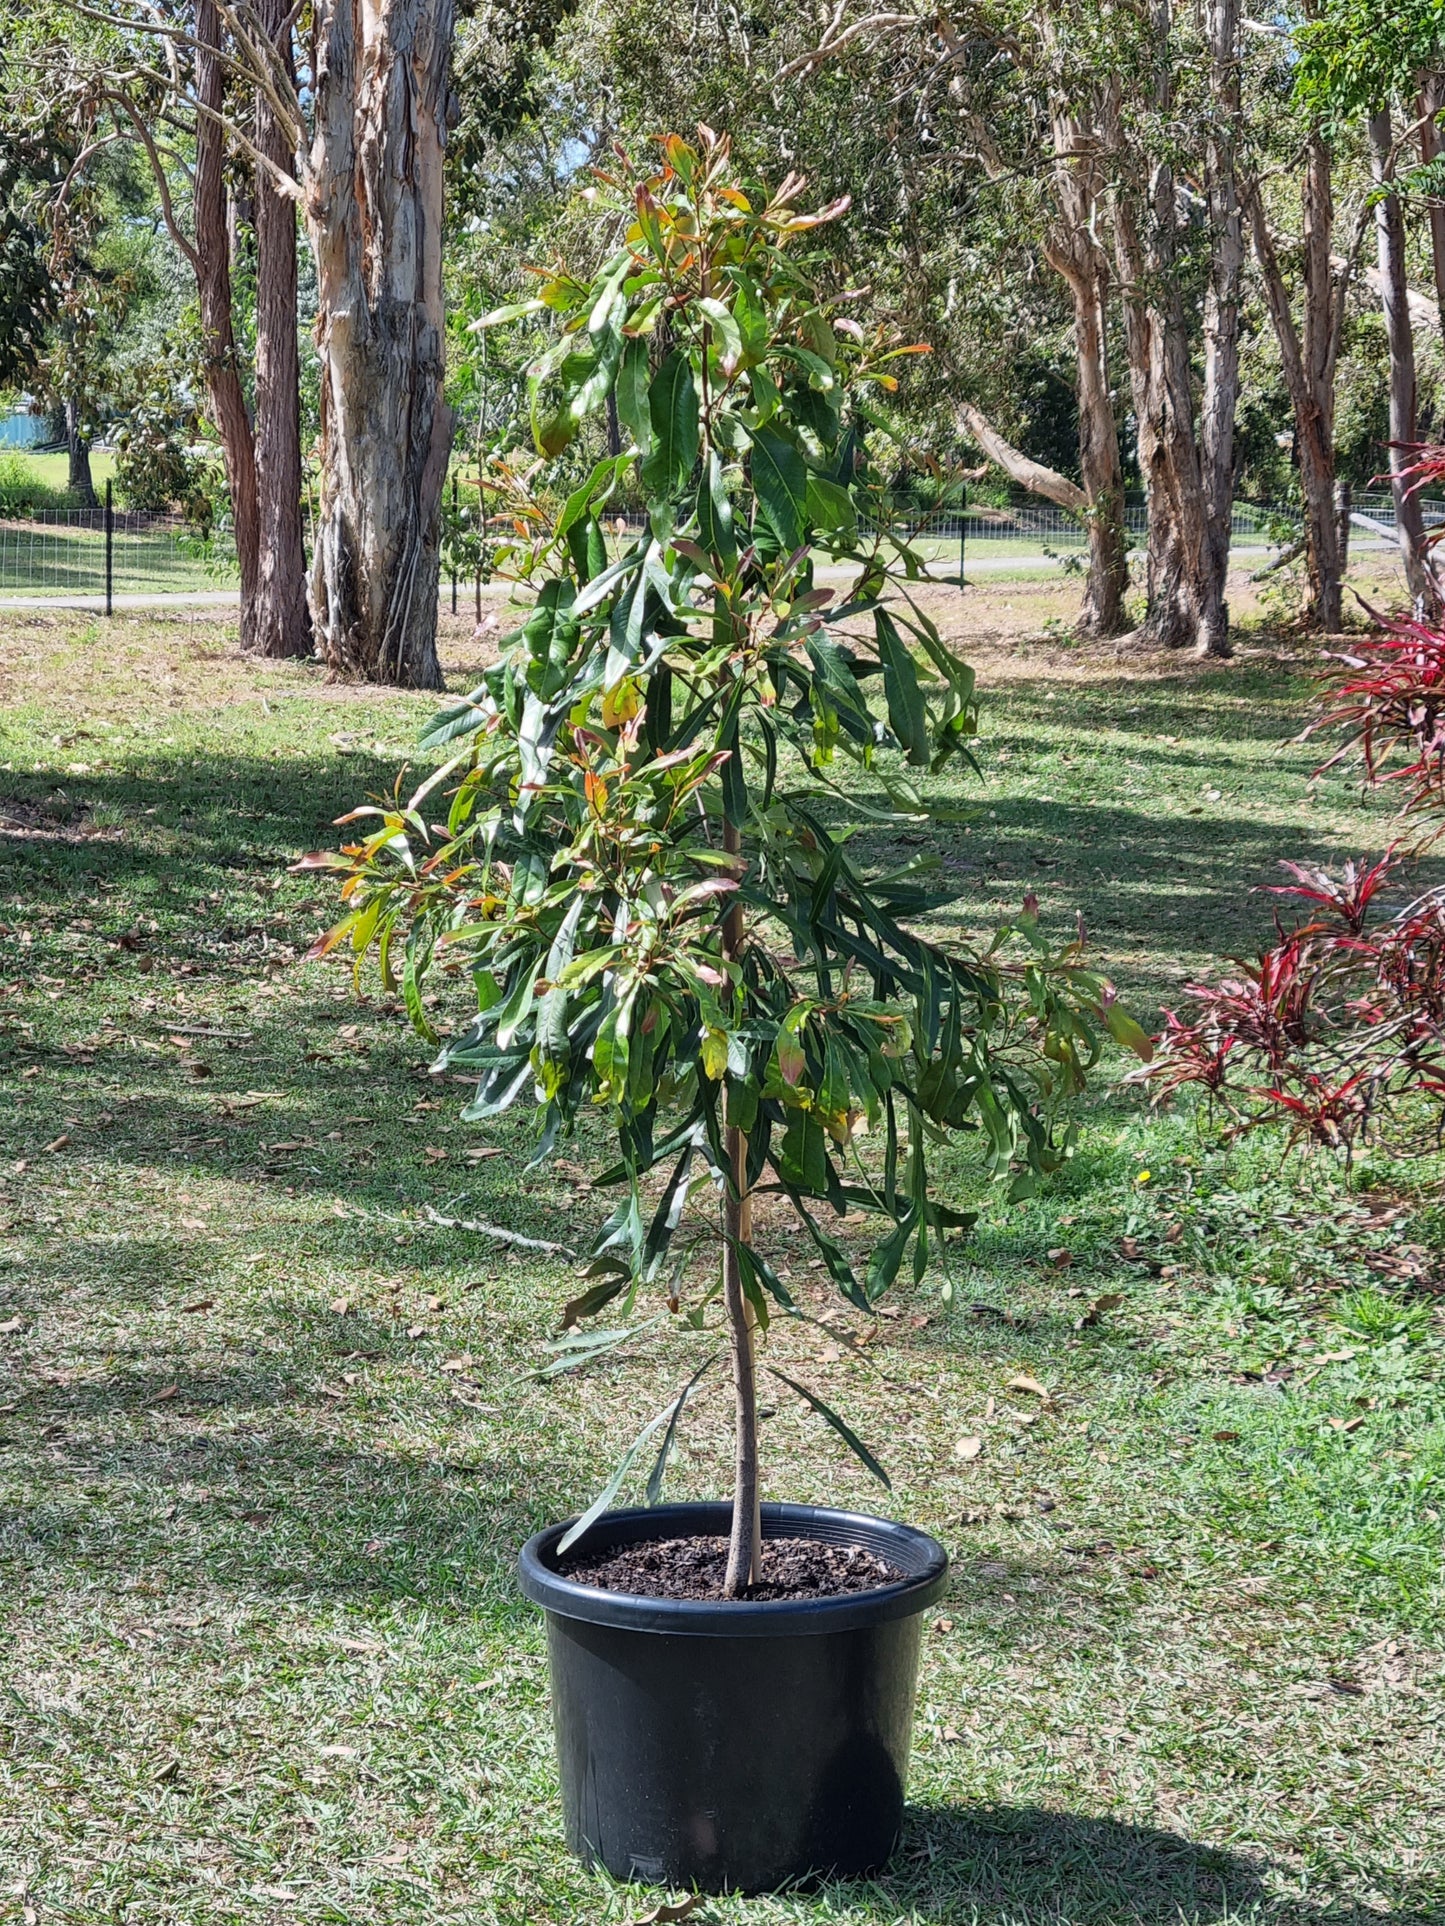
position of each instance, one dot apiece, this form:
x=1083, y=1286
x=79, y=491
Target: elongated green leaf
x=654, y=1482
x=672, y=408
x=727, y=336
x=615, y=1483
x=844, y=1430
x=780, y=478
x=907, y=716
x=715, y=514
x=631, y=394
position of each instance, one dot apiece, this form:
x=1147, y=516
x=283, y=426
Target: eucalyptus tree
x=1359, y=61
x=647, y=857
x=165, y=90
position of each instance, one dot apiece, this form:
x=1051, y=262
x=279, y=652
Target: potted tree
x=646, y=866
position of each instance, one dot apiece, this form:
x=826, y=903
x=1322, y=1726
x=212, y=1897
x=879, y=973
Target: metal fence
x=103, y=553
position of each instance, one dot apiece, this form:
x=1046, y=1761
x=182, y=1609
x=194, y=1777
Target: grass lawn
x=268, y=1443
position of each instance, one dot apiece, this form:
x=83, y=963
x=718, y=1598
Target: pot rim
x=921, y=1557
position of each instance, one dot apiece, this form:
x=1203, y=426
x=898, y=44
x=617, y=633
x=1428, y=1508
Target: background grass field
x=268, y=1442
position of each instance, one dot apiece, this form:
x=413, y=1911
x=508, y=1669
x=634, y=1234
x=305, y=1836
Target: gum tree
x=650, y=858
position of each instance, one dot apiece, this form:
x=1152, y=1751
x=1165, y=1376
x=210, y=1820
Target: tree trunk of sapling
x=745, y=1542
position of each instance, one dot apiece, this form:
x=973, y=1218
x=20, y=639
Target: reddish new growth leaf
x=1342, y=1020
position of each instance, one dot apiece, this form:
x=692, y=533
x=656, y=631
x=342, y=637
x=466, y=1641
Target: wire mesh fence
x=101, y=554
x=90, y=552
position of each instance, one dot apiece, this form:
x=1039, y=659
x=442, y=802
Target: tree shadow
x=1032, y=1866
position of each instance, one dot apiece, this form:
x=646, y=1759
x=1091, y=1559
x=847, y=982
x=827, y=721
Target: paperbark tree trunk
x=1221, y=319
x=212, y=266
x=1432, y=100
x=374, y=215
x=283, y=620
x=1308, y=355
x=1156, y=334
x=213, y=286
x=1390, y=240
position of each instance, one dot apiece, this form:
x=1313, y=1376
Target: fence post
x=109, y=549
x=456, y=532
x=962, y=526
x=1344, y=502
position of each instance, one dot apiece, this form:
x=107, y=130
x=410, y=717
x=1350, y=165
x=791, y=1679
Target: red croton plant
x=1341, y=1023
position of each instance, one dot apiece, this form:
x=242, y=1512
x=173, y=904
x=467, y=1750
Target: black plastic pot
x=734, y=1746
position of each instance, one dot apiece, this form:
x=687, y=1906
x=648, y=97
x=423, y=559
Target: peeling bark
x=213, y=285
x=1390, y=240
x=1221, y=319
x=283, y=619
x=374, y=216
x=1308, y=356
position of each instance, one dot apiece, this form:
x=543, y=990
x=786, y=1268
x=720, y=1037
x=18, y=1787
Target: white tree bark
x=1390, y=240
x=374, y=216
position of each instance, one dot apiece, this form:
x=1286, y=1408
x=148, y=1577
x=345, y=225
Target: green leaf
x=654, y=1483
x=614, y=1484
x=844, y=1430
x=907, y=716
x=672, y=407
x=728, y=339
x=830, y=506
x=632, y=408
x=1123, y=1029
x=715, y=514
x=781, y=481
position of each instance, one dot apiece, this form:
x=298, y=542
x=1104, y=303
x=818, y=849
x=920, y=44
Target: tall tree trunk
x=374, y=215
x=1221, y=319
x=1432, y=101
x=1307, y=356
x=80, y=485
x=283, y=619
x=1156, y=333
x=213, y=285
x=1390, y=239
x=1073, y=251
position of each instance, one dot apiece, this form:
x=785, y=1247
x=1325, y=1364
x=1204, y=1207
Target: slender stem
x=745, y=1544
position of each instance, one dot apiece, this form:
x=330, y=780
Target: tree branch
x=1017, y=466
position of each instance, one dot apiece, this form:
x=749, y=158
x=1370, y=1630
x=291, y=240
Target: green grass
x=267, y=1445
x=53, y=466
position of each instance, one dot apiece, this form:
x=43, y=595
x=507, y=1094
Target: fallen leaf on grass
x=434, y=1154
x=171, y=1391
x=943, y=1625
x=1226, y=1437
x=201, y=1304
x=477, y=1156
x=1345, y=1424
x=668, y=1913
x=368, y=1645
x=1061, y=1258
x=168, y=1773
x=1110, y=1301
x=950, y=1737
x=967, y=1448
x=60, y=1142
x=341, y=1305
x=416, y=1330
x=338, y=1751
x=193, y=1223
x=10, y=1324
x=1033, y=1388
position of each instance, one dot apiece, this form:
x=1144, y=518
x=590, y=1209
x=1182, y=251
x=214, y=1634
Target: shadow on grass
x=1030, y=1866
